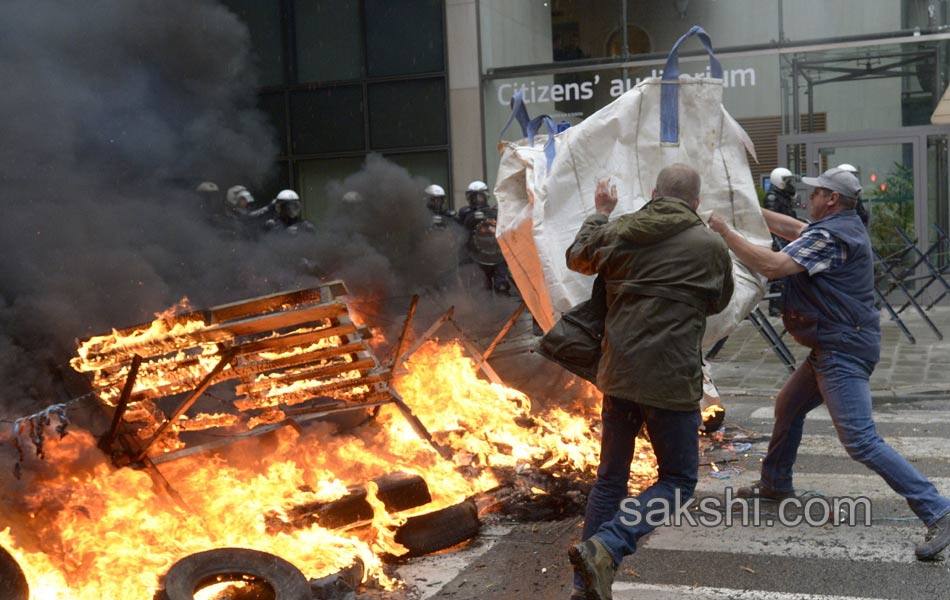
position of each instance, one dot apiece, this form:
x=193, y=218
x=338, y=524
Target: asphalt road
x=778, y=562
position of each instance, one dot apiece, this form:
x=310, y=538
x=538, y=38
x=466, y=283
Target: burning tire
x=439, y=529
x=234, y=564
x=712, y=420
x=340, y=584
x=12, y=580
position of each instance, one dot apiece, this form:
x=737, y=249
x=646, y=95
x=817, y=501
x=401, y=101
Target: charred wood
x=397, y=492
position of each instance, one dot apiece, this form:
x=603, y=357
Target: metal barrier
x=897, y=273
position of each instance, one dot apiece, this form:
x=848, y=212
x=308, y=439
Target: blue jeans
x=675, y=438
x=842, y=382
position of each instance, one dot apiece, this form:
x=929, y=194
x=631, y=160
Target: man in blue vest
x=829, y=307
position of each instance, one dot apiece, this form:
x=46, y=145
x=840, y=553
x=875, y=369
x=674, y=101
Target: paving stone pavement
x=747, y=364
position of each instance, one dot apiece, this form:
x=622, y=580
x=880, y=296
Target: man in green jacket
x=665, y=273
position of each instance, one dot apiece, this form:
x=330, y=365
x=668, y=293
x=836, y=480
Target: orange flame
x=86, y=530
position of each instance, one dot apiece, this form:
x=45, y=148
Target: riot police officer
x=435, y=202
x=209, y=202
x=859, y=208
x=781, y=195
x=238, y=201
x=289, y=214
x=781, y=199
x=480, y=221
x=237, y=221
x=476, y=195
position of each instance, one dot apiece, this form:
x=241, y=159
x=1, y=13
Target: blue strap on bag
x=530, y=127
x=518, y=111
x=670, y=90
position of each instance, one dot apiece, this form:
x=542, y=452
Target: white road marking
x=901, y=416
x=623, y=590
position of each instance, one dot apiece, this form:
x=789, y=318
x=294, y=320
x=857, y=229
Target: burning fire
x=84, y=529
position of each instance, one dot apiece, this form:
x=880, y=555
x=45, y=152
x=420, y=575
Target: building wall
x=756, y=81
x=465, y=115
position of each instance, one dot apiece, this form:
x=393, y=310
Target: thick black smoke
x=113, y=111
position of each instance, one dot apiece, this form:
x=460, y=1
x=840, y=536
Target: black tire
x=340, y=584
x=713, y=422
x=12, y=580
x=439, y=529
x=226, y=564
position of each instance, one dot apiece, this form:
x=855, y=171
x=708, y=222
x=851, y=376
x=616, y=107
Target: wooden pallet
x=278, y=359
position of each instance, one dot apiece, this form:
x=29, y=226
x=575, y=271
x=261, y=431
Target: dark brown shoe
x=759, y=490
x=937, y=538
x=595, y=564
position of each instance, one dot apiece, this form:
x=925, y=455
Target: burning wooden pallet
x=278, y=359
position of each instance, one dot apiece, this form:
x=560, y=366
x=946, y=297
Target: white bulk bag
x=545, y=190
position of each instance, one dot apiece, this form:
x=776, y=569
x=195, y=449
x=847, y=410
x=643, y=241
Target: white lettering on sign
x=584, y=90
x=543, y=92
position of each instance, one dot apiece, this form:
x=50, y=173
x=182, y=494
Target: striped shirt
x=817, y=251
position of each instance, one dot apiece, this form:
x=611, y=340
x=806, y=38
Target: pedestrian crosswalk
x=898, y=416
x=775, y=559
x=631, y=591
x=737, y=562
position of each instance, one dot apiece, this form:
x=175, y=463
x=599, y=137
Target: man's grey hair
x=679, y=181
x=847, y=202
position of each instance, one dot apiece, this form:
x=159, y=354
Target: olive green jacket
x=666, y=272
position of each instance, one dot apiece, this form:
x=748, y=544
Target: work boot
x=937, y=538
x=760, y=490
x=595, y=564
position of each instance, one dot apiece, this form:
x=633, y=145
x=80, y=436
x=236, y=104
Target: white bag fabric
x=545, y=190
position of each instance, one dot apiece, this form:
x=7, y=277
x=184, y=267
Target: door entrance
x=904, y=173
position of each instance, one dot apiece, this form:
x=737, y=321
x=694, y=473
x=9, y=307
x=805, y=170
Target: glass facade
x=790, y=68
x=404, y=37
x=343, y=78
x=325, y=28
x=263, y=20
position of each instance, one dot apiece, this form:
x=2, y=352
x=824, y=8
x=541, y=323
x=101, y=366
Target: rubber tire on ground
x=201, y=569
x=439, y=529
x=713, y=423
x=13, y=584
x=340, y=584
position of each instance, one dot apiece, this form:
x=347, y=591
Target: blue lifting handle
x=530, y=127
x=670, y=90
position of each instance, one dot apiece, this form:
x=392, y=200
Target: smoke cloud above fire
x=113, y=111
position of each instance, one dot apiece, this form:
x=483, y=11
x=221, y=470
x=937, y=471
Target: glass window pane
x=816, y=19
x=903, y=92
x=926, y=14
x=329, y=46
x=404, y=37
x=274, y=107
x=515, y=33
x=527, y=33
x=887, y=174
x=262, y=18
x=313, y=177
x=733, y=23
x=327, y=120
x=407, y=113
x=431, y=166
x=938, y=190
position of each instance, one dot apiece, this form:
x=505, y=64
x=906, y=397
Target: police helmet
x=781, y=179
x=477, y=193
